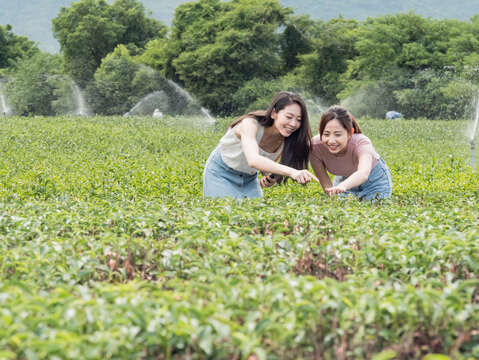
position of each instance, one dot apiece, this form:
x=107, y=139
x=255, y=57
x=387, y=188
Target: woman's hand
x=338, y=189
x=303, y=176
x=267, y=181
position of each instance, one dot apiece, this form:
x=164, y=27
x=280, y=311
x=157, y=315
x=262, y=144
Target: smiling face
x=335, y=137
x=288, y=119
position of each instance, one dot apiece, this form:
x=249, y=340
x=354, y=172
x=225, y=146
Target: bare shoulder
x=248, y=125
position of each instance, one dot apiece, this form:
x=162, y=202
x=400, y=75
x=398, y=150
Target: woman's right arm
x=247, y=130
x=320, y=171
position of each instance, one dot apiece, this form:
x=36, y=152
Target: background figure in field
x=391, y=115
x=342, y=149
x=157, y=113
x=254, y=142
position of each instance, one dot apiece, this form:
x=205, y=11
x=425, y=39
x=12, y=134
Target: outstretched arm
x=321, y=173
x=247, y=130
x=356, y=178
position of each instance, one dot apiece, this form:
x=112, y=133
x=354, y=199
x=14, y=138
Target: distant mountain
x=32, y=18
x=361, y=9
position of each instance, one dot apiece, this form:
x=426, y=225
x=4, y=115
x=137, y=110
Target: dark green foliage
x=13, y=47
x=257, y=93
x=437, y=95
x=234, y=55
x=296, y=39
x=404, y=62
x=113, y=84
x=215, y=47
x=90, y=29
x=33, y=18
x=120, y=83
x=31, y=87
x=333, y=46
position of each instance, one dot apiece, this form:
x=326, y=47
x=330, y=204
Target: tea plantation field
x=109, y=251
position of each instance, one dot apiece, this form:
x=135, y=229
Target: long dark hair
x=344, y=117
x=296, y=146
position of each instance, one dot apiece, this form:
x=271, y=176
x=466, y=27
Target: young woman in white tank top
x=254, y=142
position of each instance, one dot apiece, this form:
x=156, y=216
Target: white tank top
x=232, y=152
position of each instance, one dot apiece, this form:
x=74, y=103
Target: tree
x=32, y=84
x=90, y=29
x=296, y=39
x=333, y=46
x=401, y=62
x=444, y=95
x=111, y=91
x=120, y=83
x=193, y=26
x=13, y=47
x=215, y=47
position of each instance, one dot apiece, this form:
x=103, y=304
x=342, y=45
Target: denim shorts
x=377, y=186
x=219, y=180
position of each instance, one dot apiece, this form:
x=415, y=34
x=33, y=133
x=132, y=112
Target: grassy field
x=109, y=251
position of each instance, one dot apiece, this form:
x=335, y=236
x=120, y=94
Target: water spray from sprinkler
x=473, y=146
x=473, y=134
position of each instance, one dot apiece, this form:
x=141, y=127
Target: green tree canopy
x=13, y=47
x=90, y=29
x=31, y=86
x=332, y=46
x=120, y=83
x=296, y=39
x=402, y=63
x=113, y=88
x=215, y=47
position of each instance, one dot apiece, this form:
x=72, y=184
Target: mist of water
x=210, y=118
x=171, y=100
x=472, y=134
x=476, y=120
x=182, y=92
x=3, y=103
x=5, y=109
x=157, y=100
x=82, y=108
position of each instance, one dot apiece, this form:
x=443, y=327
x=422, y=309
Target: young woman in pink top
x=342, y=150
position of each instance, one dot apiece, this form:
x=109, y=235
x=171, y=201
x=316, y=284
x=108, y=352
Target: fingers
x=304, y=176
x=334, y=190
x=261, y=183
x=330, y=191
x=266, y=181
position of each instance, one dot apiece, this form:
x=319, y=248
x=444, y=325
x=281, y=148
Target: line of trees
x=233, y=55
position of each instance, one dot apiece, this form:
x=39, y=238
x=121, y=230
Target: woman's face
x=288, y=119
x=335, y=137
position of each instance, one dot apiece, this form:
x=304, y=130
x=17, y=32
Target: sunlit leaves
x=108, y=249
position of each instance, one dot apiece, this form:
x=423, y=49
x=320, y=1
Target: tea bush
x=109, y=250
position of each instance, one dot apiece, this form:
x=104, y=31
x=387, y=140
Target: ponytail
x=355, y=125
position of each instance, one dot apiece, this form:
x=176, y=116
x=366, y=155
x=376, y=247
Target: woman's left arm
x=356, y=178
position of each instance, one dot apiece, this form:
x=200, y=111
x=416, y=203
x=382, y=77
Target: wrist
x=291, y=172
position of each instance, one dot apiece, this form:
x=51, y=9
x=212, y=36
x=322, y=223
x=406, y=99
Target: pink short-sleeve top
x=347, y=163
